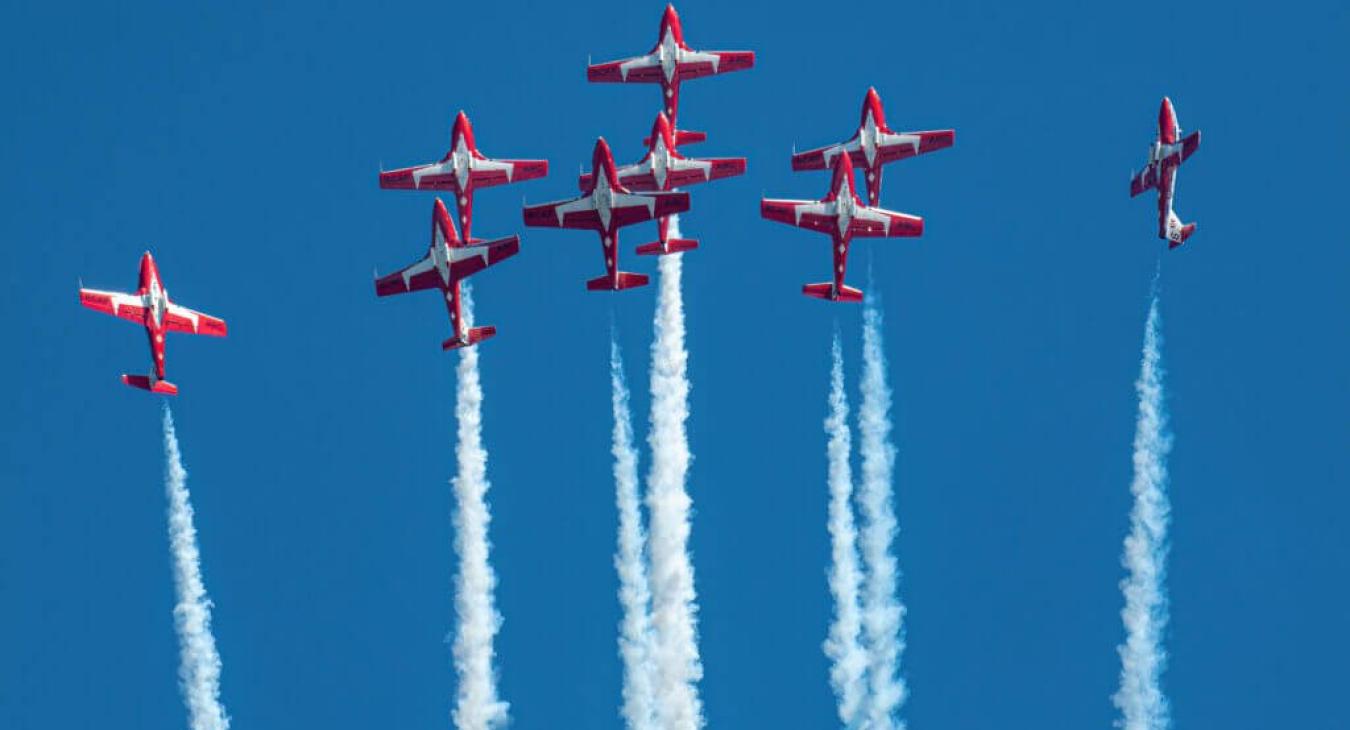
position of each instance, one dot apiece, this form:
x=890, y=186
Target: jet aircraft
x=463, y=170
x=151, y=308
x=874, y=145
x=449, y=261
x=664, y=168
x=605, y=206
x=842, y=215
x=1165, y=155
x=668, y=63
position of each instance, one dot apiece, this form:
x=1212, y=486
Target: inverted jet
x=463, y=170
x=450, y=260
x=670, y=62
x=1165, y=155
x=605, y=206
x=664, y=168
x=874, y=144
x=841, y=215
x=151, y=308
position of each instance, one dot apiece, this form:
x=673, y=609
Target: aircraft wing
x=821, y=157
x=436, y=176
x=637, y=70
x=1189, y=145
x=127, y=306
x=181, y=319
x=414, y=277
x=697, y=64
x=629, y=208
x=1145, y=179
x=488, y=172
x=687, y=170
x=812, y=215
x=574, y=213
x=637, y=176
x=485, y=173
x=879, y=223
x=469, y=260
x=891, y=147
x=681, y=172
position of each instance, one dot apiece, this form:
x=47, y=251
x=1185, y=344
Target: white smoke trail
x=843, y=646
x=883, y=612
x=477, y=707
x=199, y=663
x=635, y=636
x=1142, y=657
x=674, y=606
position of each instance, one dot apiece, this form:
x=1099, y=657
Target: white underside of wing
x=574, y=206
x=426, y=264
x=641, y=62
x=185, y=313
x=437, y=168
x=681, y=165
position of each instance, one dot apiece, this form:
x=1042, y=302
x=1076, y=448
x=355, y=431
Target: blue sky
x=241, y=145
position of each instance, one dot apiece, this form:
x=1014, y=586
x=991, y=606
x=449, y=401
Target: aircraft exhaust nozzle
x=621, y=280
x=826, y=290
x=475, y=336
x=673, y=245
x=144, y=382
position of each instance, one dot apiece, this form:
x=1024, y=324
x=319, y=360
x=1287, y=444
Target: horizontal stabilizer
x=673, y=245
x=682, y=137
x=1181, y=235
x=621, y=280
x=826, y=290
x=144, y=382
x=475, y=336
x=1176, y=233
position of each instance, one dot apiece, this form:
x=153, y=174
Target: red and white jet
x=605, y=206
x=151, y=308
x=842, y=215
x=664, y=168
x=874, y=145
x=669, y=63
x=463, y=170
x=448, y=261
x=1165, y=155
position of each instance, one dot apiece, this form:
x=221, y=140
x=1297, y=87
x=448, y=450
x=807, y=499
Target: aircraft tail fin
x=621, y=280
x=673, y=245
x=826, y=290
x=474, y=336
x=145, y=382
x=1177, y=233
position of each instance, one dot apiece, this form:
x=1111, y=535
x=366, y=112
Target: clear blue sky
x=241, y=145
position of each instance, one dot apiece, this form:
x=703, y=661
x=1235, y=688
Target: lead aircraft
x=874, y=145
x=448, y=262
x=668, y=63
x=605, y=206
x=664, y=168
x=842, y=215
x=1165, y=155
x=462, y=171
x=151, y=308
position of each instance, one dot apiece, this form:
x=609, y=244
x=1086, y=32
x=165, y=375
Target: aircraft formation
x=613, y=197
